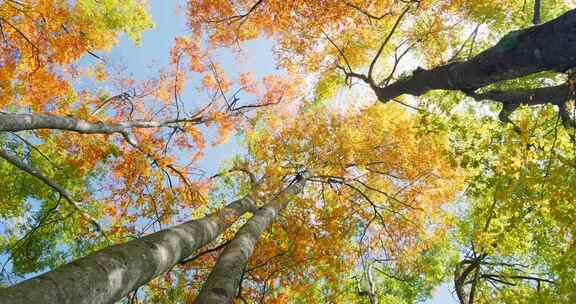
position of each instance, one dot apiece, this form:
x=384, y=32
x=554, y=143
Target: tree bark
x=512, y=99
x=13, y=122
x=111, y=273
x=545, y=47
x=555, y=95
x=537, y=8
x=224, y=280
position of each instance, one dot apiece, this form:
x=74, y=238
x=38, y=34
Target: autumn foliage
x=466, y=186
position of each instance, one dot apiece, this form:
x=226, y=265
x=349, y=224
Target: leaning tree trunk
x=224, y=280
x=545, y=47
x=111, y=273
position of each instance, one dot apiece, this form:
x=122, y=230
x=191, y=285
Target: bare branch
x=279, y=254
x=250, y=175
x=536, y=19
x=472, y=36
x=518, y=277
x=192, y=258
x=371, y=68
x=33, y=147
x=338, y=49
x=120, y=97
x=34, y=47
x=239, y=16
x=397, y=59
x=368, y=14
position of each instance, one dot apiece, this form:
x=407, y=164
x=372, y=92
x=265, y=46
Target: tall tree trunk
x=224, y=280
x=111, y=273
x=545, y=47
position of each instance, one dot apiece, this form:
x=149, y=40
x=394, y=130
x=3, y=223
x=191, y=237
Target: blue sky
x=154, y=51
x=155, y=48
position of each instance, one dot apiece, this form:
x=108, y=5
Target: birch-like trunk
x=111, y=273
x=224, y=280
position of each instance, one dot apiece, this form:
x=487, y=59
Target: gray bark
x=545, y=47
x=12, y=122
x=110, y=274
x=224, y=280
x=371, y=285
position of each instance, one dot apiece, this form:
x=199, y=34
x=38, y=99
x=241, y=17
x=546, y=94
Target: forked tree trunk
x=224, y=280
x=111, y=273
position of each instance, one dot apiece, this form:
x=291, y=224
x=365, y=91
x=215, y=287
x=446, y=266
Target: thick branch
x=21, y=122
x=461, y=275
x=549, y=95
x=546, y=47
x=511, y=100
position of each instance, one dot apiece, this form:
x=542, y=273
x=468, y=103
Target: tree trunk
x=546, y=47
x=111, y=273
x=224, y=280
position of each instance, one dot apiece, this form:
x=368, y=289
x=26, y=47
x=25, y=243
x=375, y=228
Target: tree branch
x=371, y=68
x=511, y=100
x=536, y=19
x=37, y=174
x=518, y=277
x=366, y=13
x=192, y=258
x=545, y=47
x=12, y=122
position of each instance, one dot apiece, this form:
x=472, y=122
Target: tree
x=305, y=26
x=363, y=199
x=395, y=200
x=77, y=187
x=110, y=274
x=514, y=238
x=414, y=205
x=514, y=72
x=226, y=277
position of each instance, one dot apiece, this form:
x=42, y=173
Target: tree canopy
x=400, y=147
